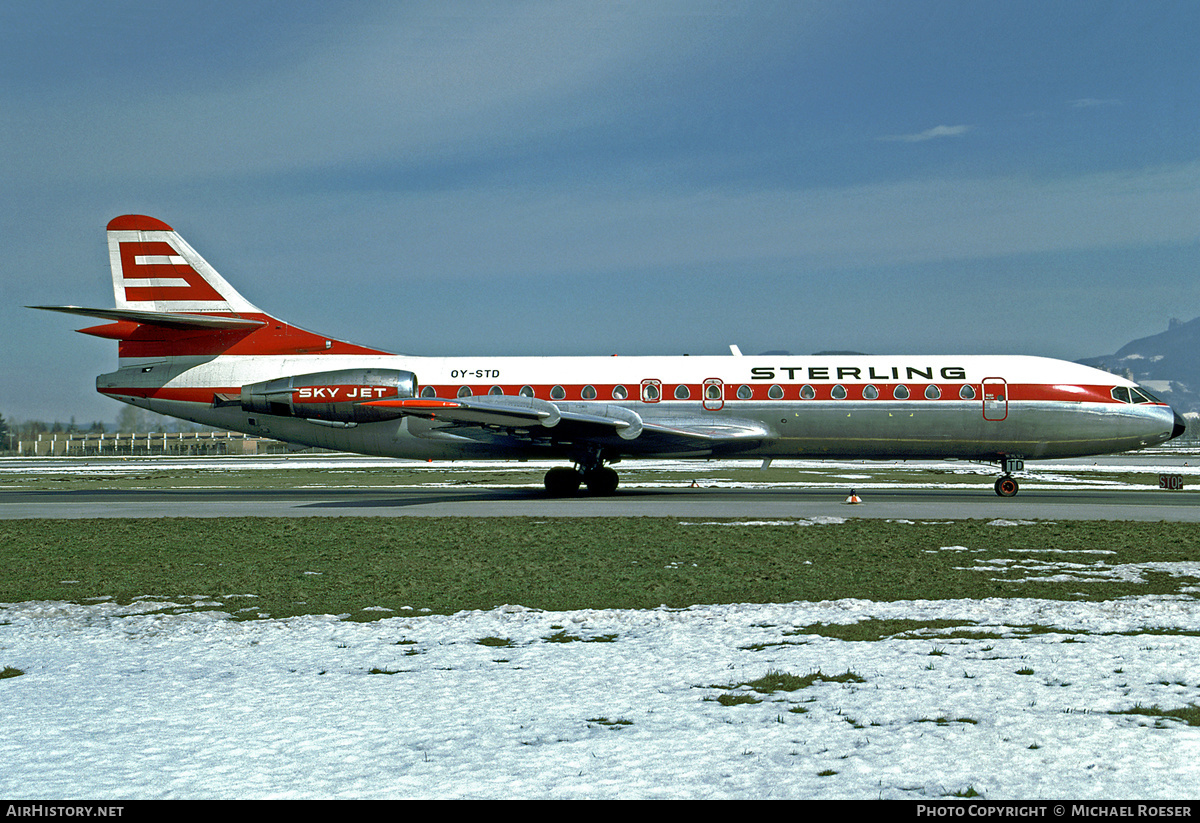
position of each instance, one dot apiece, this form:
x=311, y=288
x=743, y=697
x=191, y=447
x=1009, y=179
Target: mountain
x=1167, y=364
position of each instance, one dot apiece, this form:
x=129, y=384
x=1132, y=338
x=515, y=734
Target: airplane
x=192, y=347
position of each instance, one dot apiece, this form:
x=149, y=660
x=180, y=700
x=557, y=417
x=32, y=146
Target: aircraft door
x=714, y=394
x=995, y=399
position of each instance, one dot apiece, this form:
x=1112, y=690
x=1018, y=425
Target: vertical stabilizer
x=154, y=269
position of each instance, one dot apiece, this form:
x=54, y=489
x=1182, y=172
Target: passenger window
x=495, y=390
x=900, y=392
x=712, y=392
x=558, y=393
x=745, y=393
x=775, y=392
x=589, y=393
x=682, y=393
x=807, y=392
x=428, y=391
x=932, y=392
x=526, y=391
x=967, y=392
x=650, y=392
x=1121, y=394
x=870, y=393
x=464, y=391
x=620, y=393
x=839, y=392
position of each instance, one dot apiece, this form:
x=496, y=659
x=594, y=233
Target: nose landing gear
x=1006, y=484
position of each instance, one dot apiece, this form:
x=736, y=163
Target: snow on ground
x=119, y=702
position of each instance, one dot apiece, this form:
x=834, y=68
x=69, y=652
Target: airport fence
x=81, y=444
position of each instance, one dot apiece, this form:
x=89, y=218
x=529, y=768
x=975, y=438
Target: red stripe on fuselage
x=1016, y=392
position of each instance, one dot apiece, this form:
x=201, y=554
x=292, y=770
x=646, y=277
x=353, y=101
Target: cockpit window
x=1121, y=394
x=1140, y=395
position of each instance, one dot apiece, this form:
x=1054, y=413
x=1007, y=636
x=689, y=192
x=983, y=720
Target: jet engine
x=336, y=396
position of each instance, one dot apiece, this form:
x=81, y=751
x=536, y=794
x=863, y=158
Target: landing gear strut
x=1006, y=484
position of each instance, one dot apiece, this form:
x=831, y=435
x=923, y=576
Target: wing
x=505, y=417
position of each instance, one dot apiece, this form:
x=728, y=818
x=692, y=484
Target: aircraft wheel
x=562, y=481
x=602, y=481
x=1006, y=486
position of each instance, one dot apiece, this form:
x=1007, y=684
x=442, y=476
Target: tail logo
x=154, y=272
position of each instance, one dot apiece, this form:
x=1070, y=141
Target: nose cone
x=1179, y=428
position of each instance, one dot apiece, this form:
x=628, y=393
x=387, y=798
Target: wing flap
x=602, y=423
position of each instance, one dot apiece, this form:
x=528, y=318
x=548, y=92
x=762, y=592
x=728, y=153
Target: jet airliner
x=191, y=346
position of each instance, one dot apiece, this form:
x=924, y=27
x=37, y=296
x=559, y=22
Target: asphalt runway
x=895, y=502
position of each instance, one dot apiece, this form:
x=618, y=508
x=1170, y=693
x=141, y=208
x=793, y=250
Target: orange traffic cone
x=853, y=498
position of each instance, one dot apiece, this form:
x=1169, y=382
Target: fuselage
x=843, y=406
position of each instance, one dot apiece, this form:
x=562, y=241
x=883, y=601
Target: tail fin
x=154, y=269
x=171, y=302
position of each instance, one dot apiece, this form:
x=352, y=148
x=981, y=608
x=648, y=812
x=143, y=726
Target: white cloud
x=929, y=134
x=1093, y=103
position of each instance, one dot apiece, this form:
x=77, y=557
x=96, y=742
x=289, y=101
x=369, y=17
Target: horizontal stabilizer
x=169, y=320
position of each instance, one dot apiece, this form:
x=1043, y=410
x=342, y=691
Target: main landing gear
x=599, y=479
x=1006, y=484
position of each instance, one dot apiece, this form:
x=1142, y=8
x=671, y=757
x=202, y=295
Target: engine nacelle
x=332, y=395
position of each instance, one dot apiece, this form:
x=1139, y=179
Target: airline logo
x=154, y=272
x=341, y=394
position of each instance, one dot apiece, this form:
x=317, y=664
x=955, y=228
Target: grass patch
x=563, y=637
x=328, y=565
x=612, y=724
x=9, y=671
x=1189, y=714
x=496, y=642
x=736, y=699
x=777, y=681
x=872, y=630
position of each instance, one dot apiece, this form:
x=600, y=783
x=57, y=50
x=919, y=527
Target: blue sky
x=609, y=177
